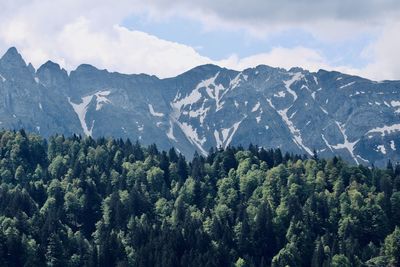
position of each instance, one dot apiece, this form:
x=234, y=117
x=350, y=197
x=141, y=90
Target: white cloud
x=127, y=51
x=92, y=36
x=280, y=57
x=72, y=32
x=326, y=19
x=384, y=55
x=120, y=49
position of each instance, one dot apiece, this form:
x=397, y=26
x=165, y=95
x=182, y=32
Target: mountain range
x=296, y=110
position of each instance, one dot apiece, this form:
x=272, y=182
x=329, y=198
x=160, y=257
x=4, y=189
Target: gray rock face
x=208, y=106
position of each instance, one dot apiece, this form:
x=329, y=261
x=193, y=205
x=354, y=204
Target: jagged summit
x=31, y=68
x=50, y=65
x=87, y=67
x=12, y=58
x=11, y=52
x=201, y=70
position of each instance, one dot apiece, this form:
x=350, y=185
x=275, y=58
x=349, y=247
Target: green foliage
x=84, y=202
x=392, y=247
x=340, y=261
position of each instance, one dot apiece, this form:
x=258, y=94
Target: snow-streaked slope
x=82, y=108
x=208, y=106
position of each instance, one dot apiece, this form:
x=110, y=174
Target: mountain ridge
x=208, y=106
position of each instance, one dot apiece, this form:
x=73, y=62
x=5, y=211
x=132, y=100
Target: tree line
x=72, y=201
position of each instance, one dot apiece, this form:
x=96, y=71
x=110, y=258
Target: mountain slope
x=296, y=110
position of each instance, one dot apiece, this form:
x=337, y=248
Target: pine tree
x=54, y=252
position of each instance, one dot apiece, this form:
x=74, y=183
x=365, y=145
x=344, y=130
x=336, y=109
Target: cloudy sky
x=167, y=37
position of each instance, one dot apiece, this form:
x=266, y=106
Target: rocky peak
x=50, y=74
x=12, y=59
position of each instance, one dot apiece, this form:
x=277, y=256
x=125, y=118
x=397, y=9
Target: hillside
x=108, y=202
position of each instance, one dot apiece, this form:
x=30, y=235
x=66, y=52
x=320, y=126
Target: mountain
x=296, y=110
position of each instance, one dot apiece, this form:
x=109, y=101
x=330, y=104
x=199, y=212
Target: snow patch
x=305, y=87
x=396, y=104
x=225, y=133
x=346, y=144
x=347, y=85
x=152, y=112
x=270, y=103
x=200, y=113
x=280, y=94
x=101, y=99
x=188, y=130
x=192, y=135
x=298, y=140
x=381, y=148
x=190, y=99
x=81, y=110
x=392, y=145
x=170, y=133
x=363, y=158
x=256, y=107
x=326, y=142
x=40, y=106
x=385, y=129
x=218, y=139
x=324, y=110
x=214, y=91
x=224, y=137
x=2, y=78
x=357, y=93
x=295, y=132
x=288, y=83
x=235, y=82
x=36, y=79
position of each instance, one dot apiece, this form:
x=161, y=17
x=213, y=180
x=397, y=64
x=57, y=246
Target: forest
x=73, y=201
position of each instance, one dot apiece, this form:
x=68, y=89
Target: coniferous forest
x=110, y=202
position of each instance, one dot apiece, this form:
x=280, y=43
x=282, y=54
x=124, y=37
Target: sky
x=166, y=38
